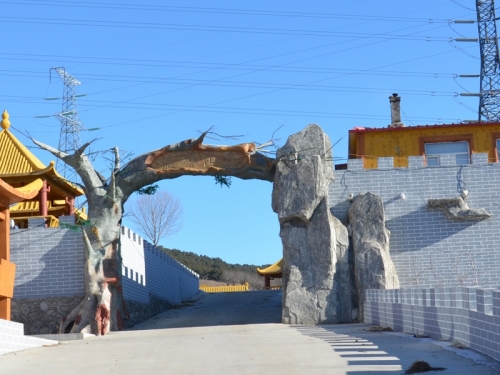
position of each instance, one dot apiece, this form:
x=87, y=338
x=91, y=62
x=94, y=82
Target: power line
x=248, y=12
x=209, y=28
x=225, y=66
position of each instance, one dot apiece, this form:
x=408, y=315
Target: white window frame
x=498, y=149
x=433, y=160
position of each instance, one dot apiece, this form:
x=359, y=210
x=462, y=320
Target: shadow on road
x=370, y=353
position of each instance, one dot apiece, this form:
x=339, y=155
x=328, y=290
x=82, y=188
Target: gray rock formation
x=345, y=290
x=457, y=209
x=373, y=266
x=300, y=198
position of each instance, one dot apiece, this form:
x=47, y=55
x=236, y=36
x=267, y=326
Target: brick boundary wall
x=49, y=261
x=149, y=271
x=470, y=316
x=50, y=276
x=427, y=249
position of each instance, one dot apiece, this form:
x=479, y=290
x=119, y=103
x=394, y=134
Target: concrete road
x=256, y=307
x=183, y=341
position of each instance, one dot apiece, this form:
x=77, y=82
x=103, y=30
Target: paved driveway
x=210, y=336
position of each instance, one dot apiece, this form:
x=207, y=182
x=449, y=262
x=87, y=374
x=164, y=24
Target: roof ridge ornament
x=5, y=120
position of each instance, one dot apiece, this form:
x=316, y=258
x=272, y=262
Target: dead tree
x=157, y=216
x=103, y=308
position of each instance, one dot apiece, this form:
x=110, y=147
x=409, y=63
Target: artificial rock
x=345, y=289
x=373, y=267
x=457, y=209
x=300, y=198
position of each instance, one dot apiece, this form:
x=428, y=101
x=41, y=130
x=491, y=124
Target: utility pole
x=69, y=138
x=489, y=93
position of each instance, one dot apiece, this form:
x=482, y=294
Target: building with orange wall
x=400, y=142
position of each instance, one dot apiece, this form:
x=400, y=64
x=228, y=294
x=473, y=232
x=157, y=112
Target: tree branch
x=79, y=161
x=58, y=154
x=112, y=184
x=192, y=157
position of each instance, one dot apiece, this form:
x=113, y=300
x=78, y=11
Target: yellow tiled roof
x=15, y=158
x=276, y=268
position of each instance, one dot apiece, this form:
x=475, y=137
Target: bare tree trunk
x=103, y=309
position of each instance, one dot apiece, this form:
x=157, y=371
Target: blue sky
x=155, y=73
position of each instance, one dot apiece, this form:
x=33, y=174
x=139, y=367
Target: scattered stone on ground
x=422, y=366
x=378, y=329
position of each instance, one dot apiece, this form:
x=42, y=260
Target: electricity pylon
x=489, y=100
x=69, y=138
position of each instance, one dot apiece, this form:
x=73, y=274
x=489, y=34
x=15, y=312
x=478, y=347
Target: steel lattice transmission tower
x=69, y=138
x=489, y=99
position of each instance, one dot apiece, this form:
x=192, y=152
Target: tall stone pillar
x=300, y=198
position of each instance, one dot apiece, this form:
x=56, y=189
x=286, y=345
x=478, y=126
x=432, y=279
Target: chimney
x=395, y=111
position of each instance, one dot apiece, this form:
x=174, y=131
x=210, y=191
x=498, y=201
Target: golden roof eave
x=14, y=195
x=17, y=161
x=275, y=269
x=51, y=173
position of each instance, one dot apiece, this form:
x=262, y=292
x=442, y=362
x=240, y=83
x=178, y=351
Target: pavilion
x=19, y=167
x=270, y=273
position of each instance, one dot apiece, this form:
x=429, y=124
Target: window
x=459, y=149
x=498, y=149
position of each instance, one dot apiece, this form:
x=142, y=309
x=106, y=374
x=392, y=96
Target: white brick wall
x=427, y=249
x=147, y=270
x=50, y=262
x=468, y=315
x=12, y=338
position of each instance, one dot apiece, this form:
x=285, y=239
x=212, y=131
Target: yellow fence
x=22, y=222
x=225, y=289
x=272, y=287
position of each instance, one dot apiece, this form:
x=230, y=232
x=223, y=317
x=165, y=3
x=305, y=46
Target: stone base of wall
x=43, y=315
x=139, y=311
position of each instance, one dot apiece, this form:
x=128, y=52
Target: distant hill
x=216, y=269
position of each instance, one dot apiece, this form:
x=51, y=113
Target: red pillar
x=267, y=282
x=71, y=205
x=43, y=199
